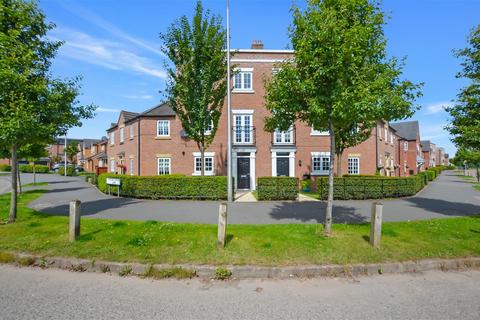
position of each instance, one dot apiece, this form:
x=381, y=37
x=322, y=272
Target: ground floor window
x=112, y=165
x=208, y=161
x=131, y=166
x=353, y=165
x=163, y=166
x=320, y=163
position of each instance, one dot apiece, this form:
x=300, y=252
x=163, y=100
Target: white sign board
x=113, y=182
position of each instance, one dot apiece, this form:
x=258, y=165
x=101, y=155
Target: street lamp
x=229, y=129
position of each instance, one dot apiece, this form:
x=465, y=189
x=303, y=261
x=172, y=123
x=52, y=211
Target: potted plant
x=306, y=185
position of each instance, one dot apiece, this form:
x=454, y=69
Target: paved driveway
x=448, y=196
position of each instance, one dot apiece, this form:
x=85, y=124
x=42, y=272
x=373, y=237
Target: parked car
x=57, y=166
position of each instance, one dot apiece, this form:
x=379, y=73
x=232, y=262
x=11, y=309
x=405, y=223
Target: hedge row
x=375, y=187
x=5, y=167
x=168, y=186
x=70, y=171
x=277, y=188
x=349, y=188
x=28, y=168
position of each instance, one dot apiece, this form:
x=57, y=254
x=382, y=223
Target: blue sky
x=115, y=46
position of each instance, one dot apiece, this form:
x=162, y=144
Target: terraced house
x=154, y=142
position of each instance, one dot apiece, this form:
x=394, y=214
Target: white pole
x=65, y=154
x=229, y=111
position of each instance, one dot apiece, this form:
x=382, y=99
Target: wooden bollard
x=376, y=224
x=74, y=224
x=222, y=224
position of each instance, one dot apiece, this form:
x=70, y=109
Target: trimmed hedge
x=168, y=186
x=28, y=168
x=372, y=187
x=5, y=167
x=89, y=175
x=70, y=171
x=277, y=188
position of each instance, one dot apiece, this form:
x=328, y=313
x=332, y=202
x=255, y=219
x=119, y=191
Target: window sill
x=197, y=174
x=242, y=91
x=320, y=134
x=319, y=173
x=163, y=138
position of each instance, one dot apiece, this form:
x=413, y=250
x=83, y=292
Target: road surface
x=29, y=293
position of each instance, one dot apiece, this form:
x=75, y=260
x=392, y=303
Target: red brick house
x=410, y=153
x=154, y=142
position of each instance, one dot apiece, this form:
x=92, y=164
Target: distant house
x=430, y=153
x=411, y=157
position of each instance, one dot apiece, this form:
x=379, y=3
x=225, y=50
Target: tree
x=71, y=150
x=197, y=83
x=340, y=79
x=34, y=106
x=469, y=157
x=32, y=152
x=465, y=114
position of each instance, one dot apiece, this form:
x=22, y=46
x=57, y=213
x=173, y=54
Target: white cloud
x=107, y=110
x=437, y=107
x=107, y=26
x=105, y=53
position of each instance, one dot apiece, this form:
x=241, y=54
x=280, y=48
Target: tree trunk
x=19, y=184
x=328, y=214
x=339, y=164
x=12, y=216
x=202, y=156
x=34, y=174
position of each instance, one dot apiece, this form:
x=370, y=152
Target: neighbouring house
x=440, y=160
x=97, y=160
x=430, y=153
x=56, y=150
x=411, y=158
x=85, y=150
x=446, y=159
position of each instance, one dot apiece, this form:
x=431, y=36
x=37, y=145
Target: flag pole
x=229, y=125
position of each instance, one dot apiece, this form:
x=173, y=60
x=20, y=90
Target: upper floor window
x=112, y=138
x=208, y=129
x=122, y=134
x=316, y=132
x=243, y=129
x=131, y=131
x=405, y=146
x=163, y=128
x=243, y=79
x=283, y=137
x=386, y=135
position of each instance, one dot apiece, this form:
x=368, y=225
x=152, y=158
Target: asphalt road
x=448, y=196
x=54, y=294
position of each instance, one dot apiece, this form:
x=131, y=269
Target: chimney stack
x=257, y=44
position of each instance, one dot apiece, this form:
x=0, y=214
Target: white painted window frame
x=168, y=128
x=352, y=166
x=320, y=155
x=198, y=155
x=169, y=165
x=241, y=73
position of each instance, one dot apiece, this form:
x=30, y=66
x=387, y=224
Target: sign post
x=114, y=182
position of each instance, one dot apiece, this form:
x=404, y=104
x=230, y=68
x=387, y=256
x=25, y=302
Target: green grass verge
x=37, y=184
x=294, y=244
x=311, y=194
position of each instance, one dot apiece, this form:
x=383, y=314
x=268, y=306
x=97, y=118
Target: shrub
x=89, y=177
x=168, y=186
x=70, y=171
x=173, y=272
x=277, y=188
x=28, y=168
x=222, y=273
x=432, y=174
x=371, y=187
x=306, y=185
x=5, y=167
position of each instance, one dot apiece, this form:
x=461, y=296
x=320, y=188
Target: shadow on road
x=307, y=211
x=92, y=207
x=445, y=207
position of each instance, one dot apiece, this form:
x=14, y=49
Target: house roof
x=408, y=130
x=61, y=141
x=425, y=145
x=163, y=109
x=88, y=143
x=127, y=115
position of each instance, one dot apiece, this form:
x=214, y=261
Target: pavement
x=29, y=293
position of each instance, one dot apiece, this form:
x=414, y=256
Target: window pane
x=247, y=80
x=237, y=81
x=208, y=164
x=198, y=164
x=316, y=163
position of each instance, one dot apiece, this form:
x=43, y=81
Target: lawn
x=156, y=242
